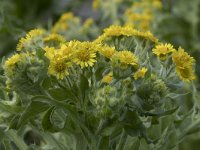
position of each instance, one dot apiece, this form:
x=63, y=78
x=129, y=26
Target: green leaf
x=109, y=130
x=162, y=113
x=99, y=71
x=61, y=94
x=33, y=109
x=12, y=135
x=132, y=124
x=104, y=143
x=14, y=122
x=7, y=144
x=8, y=108
x=84, y=85
x=46, y=83
x=46, y=121
x=72, y=113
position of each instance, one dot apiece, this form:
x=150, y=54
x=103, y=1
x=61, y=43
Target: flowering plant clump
x=122, y=90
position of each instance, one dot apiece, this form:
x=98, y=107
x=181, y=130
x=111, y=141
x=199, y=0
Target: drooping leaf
x=33, y=109
x=46, y=121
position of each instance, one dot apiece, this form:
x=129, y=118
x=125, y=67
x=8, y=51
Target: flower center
x=60, y=67
x=84, y=56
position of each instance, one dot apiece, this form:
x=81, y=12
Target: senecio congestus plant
x=121, y=91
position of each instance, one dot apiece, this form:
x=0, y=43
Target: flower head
x=29, y=38
x=107, y=51
x=12, y=60
x=162, y=50
x=54, y=40
x=107, y=78
x=140, y=73
x=60, y=60
x=184, y=65
x=85, y=53
x=126, y=58
x=10, y=63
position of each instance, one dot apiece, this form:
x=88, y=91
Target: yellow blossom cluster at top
x=64, y=55
x=117, y=31
x=142, y=19
x=84, y=54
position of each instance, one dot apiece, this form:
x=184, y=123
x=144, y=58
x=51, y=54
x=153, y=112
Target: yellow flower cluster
x=184, y=65
x=115, y=30
x=162, y=50
x=143, y=18
x=29, y=38
x=63, y=22
x=60, y=60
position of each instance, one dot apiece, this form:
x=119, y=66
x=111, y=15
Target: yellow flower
x=60, y=60
x=58, y=67
x=182, y=58
x=127, y=58
x=128, y=30
x=85, y=53
x=63, y=22
x=54, y=39
x=12, y=61
x=66, y=16
x=96, y=4
x=184, y=65
x=162, y=50
x=107, y=51
x=186, y=73
x=88, y=23
x=30, y=36
x=107, y=78
x=157, y=4
x=140, y=73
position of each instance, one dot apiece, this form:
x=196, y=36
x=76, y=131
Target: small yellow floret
x=140, y=73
